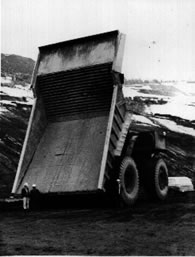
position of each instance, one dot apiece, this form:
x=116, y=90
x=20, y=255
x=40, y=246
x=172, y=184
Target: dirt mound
x=14, y=122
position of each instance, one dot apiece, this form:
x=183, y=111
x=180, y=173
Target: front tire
x=129, y=181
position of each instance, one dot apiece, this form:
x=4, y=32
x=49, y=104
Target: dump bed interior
x=73, y=85
x=68, y=157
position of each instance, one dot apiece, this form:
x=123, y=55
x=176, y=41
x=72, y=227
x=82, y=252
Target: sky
x=160, y=34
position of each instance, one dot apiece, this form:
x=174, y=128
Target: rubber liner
x=77, y=91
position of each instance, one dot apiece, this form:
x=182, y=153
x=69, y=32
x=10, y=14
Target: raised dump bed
x=75, y=127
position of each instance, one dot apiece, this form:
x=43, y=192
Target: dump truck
x=78, y=138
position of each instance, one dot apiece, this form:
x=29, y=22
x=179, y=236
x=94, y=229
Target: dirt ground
x=145, y=229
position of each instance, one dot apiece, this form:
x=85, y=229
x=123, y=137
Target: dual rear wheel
x=155, y=179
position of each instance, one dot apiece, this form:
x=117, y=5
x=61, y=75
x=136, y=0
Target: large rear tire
x=129, y=181
x=157, y=179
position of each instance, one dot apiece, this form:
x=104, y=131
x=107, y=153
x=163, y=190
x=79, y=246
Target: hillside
x=18, y=67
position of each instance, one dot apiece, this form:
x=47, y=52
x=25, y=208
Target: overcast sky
x=160, y=34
